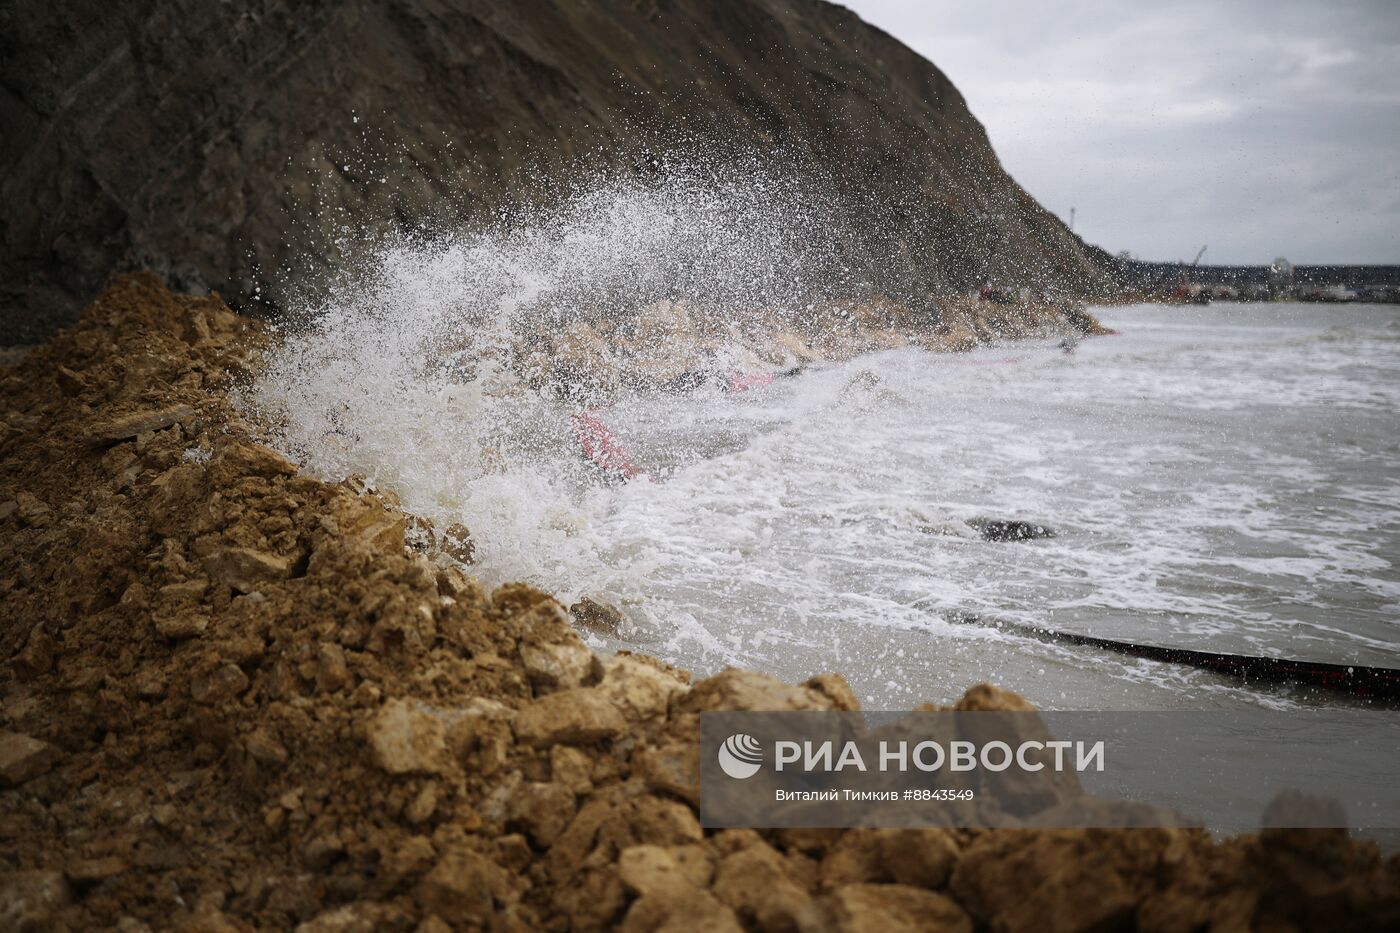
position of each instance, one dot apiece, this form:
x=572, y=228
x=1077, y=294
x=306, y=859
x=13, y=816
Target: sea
x=1223, y=478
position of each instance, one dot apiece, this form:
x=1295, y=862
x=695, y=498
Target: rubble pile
x=234, y=698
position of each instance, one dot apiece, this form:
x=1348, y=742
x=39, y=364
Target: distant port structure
x=1280, y=280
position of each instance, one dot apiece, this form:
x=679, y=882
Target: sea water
x=1221, y=478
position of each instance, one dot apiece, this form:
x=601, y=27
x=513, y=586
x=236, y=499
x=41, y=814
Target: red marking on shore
x=601, y=445
x=742, y=382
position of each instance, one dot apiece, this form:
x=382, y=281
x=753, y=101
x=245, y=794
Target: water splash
x=431, y=364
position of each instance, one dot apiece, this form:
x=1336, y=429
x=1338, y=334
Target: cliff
x=224, y=144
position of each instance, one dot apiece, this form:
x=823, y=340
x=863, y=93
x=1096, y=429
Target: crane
x=1183, y=291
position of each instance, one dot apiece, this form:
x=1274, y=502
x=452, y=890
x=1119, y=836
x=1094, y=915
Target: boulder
x=264, y=748
x=856, y=858
x=457, y=543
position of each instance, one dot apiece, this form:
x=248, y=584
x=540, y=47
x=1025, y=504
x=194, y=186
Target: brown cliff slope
x=232, y=698
x=208, y=141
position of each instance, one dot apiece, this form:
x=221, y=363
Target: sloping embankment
x=233, y=698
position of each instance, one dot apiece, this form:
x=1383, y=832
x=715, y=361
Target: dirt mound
x=234, y=698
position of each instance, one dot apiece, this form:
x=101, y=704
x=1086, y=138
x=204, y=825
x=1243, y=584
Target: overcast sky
x=1260, y=127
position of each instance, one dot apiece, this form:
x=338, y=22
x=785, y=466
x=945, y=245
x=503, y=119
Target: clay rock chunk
x=244, y=569
x=29, y=899
x=673, y=767
x=683, y=912
x=754, y=882
x=922, y=857
x=894, y=908
x=332, y=671
x=457, y=543
x=1078, y=879
x=38, y=655
x=23, y=758
x=179, y=624
x=218, y=685
x=572, y=717
x=32, y=510
x=353, y=918
x=747, y=690
x=640, y=690
x=466, y=885
x=90, y=871
x=599, y=618
x=405, y=740
x=543, y=809
x=555, y=658
x=119, y=429
x=254, y=459
x=651, y=869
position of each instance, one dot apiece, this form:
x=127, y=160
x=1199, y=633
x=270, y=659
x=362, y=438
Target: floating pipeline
x=1352, y=679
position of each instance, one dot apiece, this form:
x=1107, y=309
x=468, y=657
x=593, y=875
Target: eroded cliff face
x=224, y=144
x=236, y=697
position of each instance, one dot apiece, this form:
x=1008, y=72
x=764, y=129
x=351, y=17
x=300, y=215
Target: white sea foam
x=1222, y=478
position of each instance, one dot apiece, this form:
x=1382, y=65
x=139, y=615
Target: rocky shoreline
x=234, y=698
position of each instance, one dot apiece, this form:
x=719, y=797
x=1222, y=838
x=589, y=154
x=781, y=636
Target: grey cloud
x=1263, y=128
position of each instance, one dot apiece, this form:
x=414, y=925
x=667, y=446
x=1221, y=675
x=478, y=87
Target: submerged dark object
x=1353, y=679
x=998, y=529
